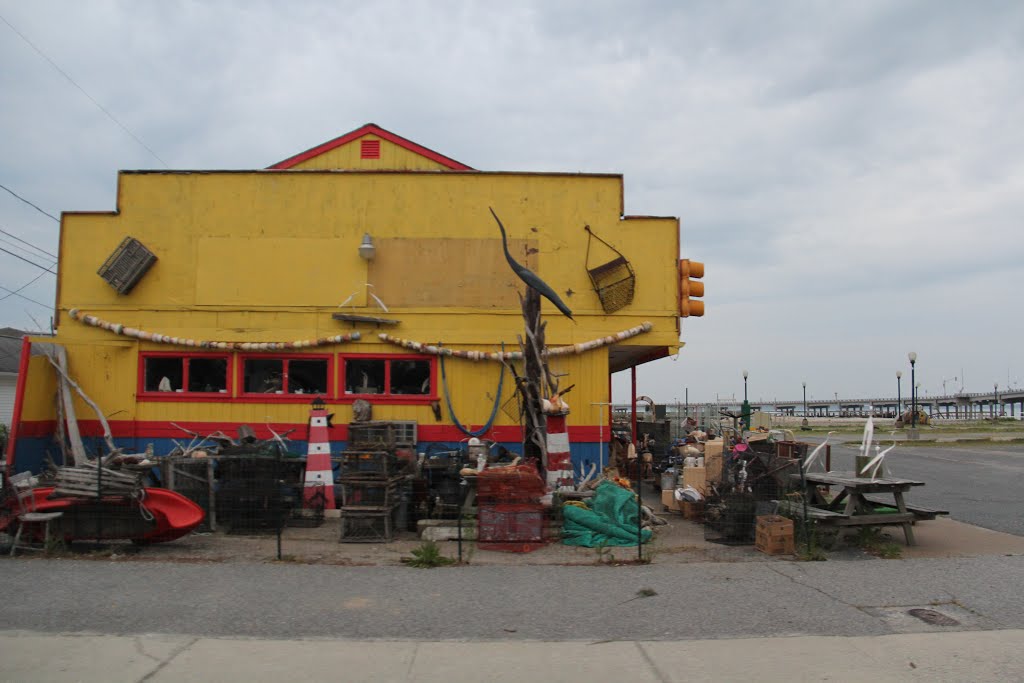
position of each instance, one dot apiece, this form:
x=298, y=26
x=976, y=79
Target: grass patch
x=427, y=556
x=871, y=540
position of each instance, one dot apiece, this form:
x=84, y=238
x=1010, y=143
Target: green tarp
x=611, y=519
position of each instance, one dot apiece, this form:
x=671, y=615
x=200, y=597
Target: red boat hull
x=172, y=516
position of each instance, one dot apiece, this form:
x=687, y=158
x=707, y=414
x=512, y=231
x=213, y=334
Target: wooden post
x=534, y=432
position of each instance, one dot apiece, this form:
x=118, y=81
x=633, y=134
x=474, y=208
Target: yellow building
x=338, y=273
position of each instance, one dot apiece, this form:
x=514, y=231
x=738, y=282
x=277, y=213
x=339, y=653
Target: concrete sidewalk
x=959, y=656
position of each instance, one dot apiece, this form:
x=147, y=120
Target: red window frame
x=184, y=394
x=256, y=397
x=387, y=397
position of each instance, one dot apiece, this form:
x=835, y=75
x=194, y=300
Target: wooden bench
x=919, y=512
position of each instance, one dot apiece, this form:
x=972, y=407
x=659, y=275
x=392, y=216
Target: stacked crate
x=509, y=514
x=774, y=535
x=373, y=472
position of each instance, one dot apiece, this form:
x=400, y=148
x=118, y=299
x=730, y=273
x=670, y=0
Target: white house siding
x=8, y=381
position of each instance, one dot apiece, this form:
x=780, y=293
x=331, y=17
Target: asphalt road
x=980, y=484
x=698, y=601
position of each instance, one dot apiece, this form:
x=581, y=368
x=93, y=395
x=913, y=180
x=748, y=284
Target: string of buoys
x=119, y=329
x=583, y=347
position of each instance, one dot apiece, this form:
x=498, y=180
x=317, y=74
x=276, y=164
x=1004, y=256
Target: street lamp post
x=912, y=356
x=805, y=399
x=745, y=411
x=995, y=390
x=899, y=393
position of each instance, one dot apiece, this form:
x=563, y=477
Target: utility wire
x=21, y=248
x=26, y=298
x=82, y=90
x=27, y=201
x=51, y=255
x=14, y=292
x=27, y=261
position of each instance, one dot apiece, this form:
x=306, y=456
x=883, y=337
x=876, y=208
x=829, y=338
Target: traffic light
x=690, y=288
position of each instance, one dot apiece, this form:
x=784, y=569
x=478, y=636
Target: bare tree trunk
x=534, y=428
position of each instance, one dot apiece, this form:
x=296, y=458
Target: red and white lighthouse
x=319, y=474
x=559, y=465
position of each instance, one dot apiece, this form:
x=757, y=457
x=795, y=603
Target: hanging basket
x=613, y=281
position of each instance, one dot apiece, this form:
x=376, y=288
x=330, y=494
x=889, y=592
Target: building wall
x=8, y=382
x=269, y=256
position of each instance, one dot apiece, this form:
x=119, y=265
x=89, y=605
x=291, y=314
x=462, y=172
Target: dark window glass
x=208, y=374
x=263, y=376
x=364, y=376
x=159, y=369
x=307, y=376
x=410, y=377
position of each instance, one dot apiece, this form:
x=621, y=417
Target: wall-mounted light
x=366, y=250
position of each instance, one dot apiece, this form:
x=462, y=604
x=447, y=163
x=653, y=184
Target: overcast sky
x=851, y=173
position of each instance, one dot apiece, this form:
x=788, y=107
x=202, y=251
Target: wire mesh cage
x=125, y=267
x=614, y=281
x=382, y=435
x=369, y=525
x=511, y=527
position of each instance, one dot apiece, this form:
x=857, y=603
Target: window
x=410, y=376
x=295, y=375
x=168, y=374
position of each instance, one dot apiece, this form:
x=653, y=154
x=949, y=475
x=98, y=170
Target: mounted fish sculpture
x=529, y=277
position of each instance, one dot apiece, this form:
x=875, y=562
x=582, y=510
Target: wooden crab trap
x=614, y=281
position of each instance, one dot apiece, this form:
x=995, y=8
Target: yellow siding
x=392, y=158
x=269, y=256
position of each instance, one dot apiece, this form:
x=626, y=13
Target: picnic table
x=851, y=506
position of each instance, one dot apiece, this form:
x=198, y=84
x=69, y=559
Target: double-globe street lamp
x=913, y=390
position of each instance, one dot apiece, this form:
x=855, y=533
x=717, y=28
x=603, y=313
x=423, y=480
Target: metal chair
x=28, y=516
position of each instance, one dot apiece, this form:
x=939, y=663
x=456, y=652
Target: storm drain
x=930, y=618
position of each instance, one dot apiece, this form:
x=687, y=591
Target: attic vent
x=125, y=267
x=370, y=149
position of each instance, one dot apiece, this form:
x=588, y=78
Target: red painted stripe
x=370, y=129
x=19, y=396
x=130, y=429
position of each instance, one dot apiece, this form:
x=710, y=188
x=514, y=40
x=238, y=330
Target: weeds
x=427, y=556
x=873, y=541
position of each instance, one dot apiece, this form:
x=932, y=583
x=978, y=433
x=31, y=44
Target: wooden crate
x=774, y=535
x=713, y=461
x=693, y=511
x=696, y=477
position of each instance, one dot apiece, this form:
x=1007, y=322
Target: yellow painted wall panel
x=231, y=272
x=392, y=157
x=269, y=255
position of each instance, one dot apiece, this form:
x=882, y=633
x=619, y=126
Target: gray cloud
x=851, y=173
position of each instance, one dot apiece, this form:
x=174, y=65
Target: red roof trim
x=370, y=129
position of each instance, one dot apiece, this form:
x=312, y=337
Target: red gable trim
x=370, y=129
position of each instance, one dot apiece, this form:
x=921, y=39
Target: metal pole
x=279, y=481
x=639, y=518
x=899, y=391
x=913, y=395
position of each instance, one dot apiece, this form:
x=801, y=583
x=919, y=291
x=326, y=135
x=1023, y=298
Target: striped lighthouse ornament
x=559, y=465
x=319, y=474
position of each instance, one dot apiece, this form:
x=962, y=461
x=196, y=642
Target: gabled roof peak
x=374, y=130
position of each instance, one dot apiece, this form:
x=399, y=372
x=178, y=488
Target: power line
x=21, y=248
x=82, y=90
x=27, y=201
x=54, y=256
x=22, y=296
x=27, y=261
x=32, y=281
